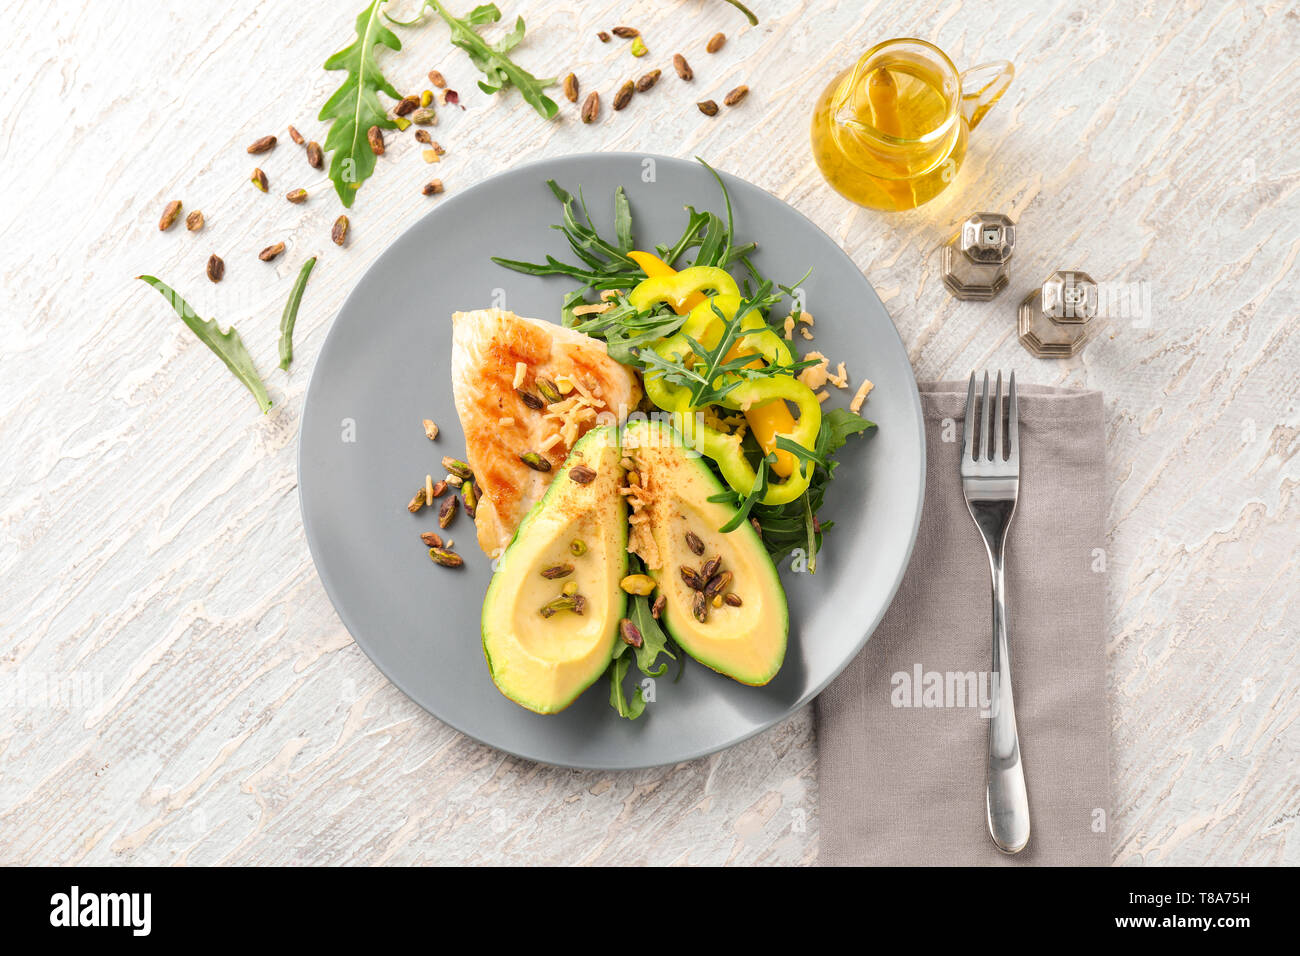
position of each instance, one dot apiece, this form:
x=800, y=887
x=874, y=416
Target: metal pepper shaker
x=975, y=262
x=1056, y=319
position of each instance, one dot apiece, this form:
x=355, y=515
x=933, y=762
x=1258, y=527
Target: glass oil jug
x=890, y=132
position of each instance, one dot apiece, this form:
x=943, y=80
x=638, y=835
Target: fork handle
x=1007, y=800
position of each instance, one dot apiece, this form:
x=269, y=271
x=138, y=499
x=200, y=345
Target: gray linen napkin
x=904, y=785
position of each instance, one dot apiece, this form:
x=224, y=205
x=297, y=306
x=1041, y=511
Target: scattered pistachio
x=425, y=117
x=557, y=571
x=529, y=399
x=430, y=429
x=401, y=122
x=170, y=212
x=429, y=155
x=436, y=79
x=550, y=391
x=708, y=107
x=624, y=95
x=439, y=489
x=422, y=136
x=470, y=495
x=710, y=568
x=625, y=33
x=296, y=136
x=263, y=145
x=419, y=501
x=630, y=633
x=570, y=587
x=271, y=251
x=216, y=268
x=758, y=528
x=571, y=88
x=447, y=511
x=194, y=221
x=408, y=104
x=582, y=474
x=602, y=36
x=451, y=97
x=340, y=231
x=639, y=47
x=736, y=95
x=692, y=578
x=700, y=607
x=657, y=608
x=682, y=67
x=535, y=461
x=448, y=559
x=638, y=584
x=694, y=543
x=432, y=539
x=457, y=467
x=647, y=81
x=591, y=107
x=426, y=97
x=315, y=155
x=432, y=187
x=375, y=137
x=258, y=179
x=296, y=196
x=733, y=599
x=454, y=480
x=715, y=43
x=577, y=547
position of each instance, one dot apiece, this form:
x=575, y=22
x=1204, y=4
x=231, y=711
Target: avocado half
x=746, y=643
x=544, y=662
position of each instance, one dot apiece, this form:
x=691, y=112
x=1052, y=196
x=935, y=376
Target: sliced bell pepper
x=677, y=288
x=653, y=266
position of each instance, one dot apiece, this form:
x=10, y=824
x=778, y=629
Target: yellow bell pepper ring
x=653, y=266
x=678, y=287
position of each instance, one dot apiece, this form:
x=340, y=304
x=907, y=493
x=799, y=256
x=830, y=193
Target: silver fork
x=990, y=482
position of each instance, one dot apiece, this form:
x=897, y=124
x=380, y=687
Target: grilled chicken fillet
x=495, y=356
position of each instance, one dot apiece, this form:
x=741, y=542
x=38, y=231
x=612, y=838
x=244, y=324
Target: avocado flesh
x=544, y=663
x=746, y=643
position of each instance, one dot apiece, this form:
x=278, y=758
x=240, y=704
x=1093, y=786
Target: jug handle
x=982, y=86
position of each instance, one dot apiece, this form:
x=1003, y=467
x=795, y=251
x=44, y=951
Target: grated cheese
x=860, y=396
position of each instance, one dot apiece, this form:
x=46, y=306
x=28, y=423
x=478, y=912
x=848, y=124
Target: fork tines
x=1008, y=451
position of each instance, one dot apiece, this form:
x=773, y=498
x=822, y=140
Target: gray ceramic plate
x=386, y=365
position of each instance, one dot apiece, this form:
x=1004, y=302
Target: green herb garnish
x=654, y=642
x=290, y=314
x=493, y=60
x=355, y=106
x=228, y=346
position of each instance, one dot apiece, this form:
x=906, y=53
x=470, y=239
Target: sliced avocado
x=748, y=642
x=544, y=662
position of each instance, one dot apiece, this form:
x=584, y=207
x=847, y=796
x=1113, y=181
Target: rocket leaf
x=494, y=60
x=228, y=346
x=355, y=106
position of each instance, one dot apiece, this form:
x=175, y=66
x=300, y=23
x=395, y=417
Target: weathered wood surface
x=176, y=688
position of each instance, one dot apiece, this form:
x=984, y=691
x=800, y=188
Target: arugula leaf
x=228, y=346
x=749, y=14
x=355, y=106
x=493, y=61
x=631, y=709
x=290, y=314
x=622, y=220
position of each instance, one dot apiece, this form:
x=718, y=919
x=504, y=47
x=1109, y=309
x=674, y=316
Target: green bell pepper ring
x=677, y=288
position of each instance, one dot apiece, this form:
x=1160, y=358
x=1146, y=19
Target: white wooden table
x=174, y=684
